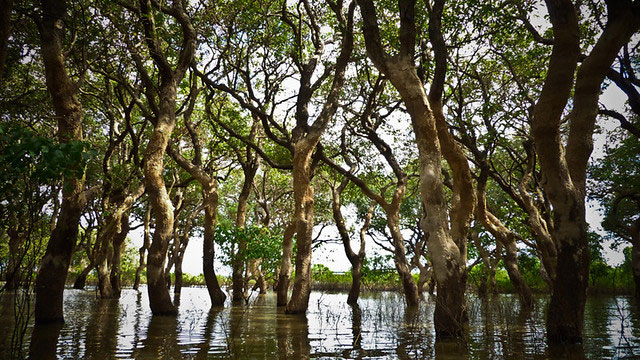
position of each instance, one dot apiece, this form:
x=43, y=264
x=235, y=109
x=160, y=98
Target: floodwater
x=379, y=328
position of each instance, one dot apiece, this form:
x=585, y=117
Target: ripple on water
x=381, y=327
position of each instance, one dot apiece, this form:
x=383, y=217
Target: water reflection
x=379, y=327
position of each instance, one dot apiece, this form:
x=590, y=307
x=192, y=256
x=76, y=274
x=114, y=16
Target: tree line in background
x=442, y=131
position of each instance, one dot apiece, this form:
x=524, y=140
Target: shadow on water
x=379, y=327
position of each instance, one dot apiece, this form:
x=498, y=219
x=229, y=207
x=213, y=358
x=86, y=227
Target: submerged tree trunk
x=303, y=217
x=506, y=238
x=143, y=248
x=564, y=168
x=210, y=198
x=81, y=281
x=159, y=298
x=238, y=280
x=116, y=260
x=284, y=276
x=447, y=248
x=54, y=265
x=411, y=293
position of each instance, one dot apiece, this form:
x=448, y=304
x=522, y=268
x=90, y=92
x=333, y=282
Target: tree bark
x=355, y=259
x=54, y=265
x=303, y=217
x=564, y=171
x=159, y=298
x=411, y=293
x=448, y=252
x=143, y=248
x=116, y=260
x=210, y=198
x=249, y=168
x=284, y=276
x=81, y=280
x=506, y=238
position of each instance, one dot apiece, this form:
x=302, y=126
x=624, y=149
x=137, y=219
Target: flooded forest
x=331, y=179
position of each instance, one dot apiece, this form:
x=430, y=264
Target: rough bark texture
x=303, y=216
x=210, y=198
x=54, y=265
x=448, y=253
x=164, y=122
x=284, y=276
x=564, y=172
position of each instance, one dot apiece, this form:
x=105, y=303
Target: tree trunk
x=210, y=198
x=177, y=288
x=15, y=257
x=116, y=260
x=284, y=276
x=54, y=265
x=159, y=298
x=504, y=237
x=303, y=217
x=238, y=279
x=354, y=291
x=411, y=293
x=143, y=248
x=634, y=229
x=81, y=280
x=511, y=264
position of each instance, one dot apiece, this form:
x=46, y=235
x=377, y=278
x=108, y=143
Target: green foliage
x=262, y=243
x=25, y=155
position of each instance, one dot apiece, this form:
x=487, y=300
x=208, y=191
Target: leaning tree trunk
x=284, y=276
x=54, y=265
x=81, y=281
x=504, y=237
x=303, y=196
x=210, y=196
x=409, y=286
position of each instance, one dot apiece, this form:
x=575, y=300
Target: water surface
x=381, y=327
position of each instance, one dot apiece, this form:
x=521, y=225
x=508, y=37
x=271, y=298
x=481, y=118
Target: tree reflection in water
x=381, y=326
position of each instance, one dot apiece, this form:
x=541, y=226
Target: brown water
x=380, y=328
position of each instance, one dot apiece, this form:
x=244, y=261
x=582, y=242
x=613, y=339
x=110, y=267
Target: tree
x=563, y=165
x=162, y=103
x=447, y=247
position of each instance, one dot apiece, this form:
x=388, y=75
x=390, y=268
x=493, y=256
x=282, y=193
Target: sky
x=332, y=255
